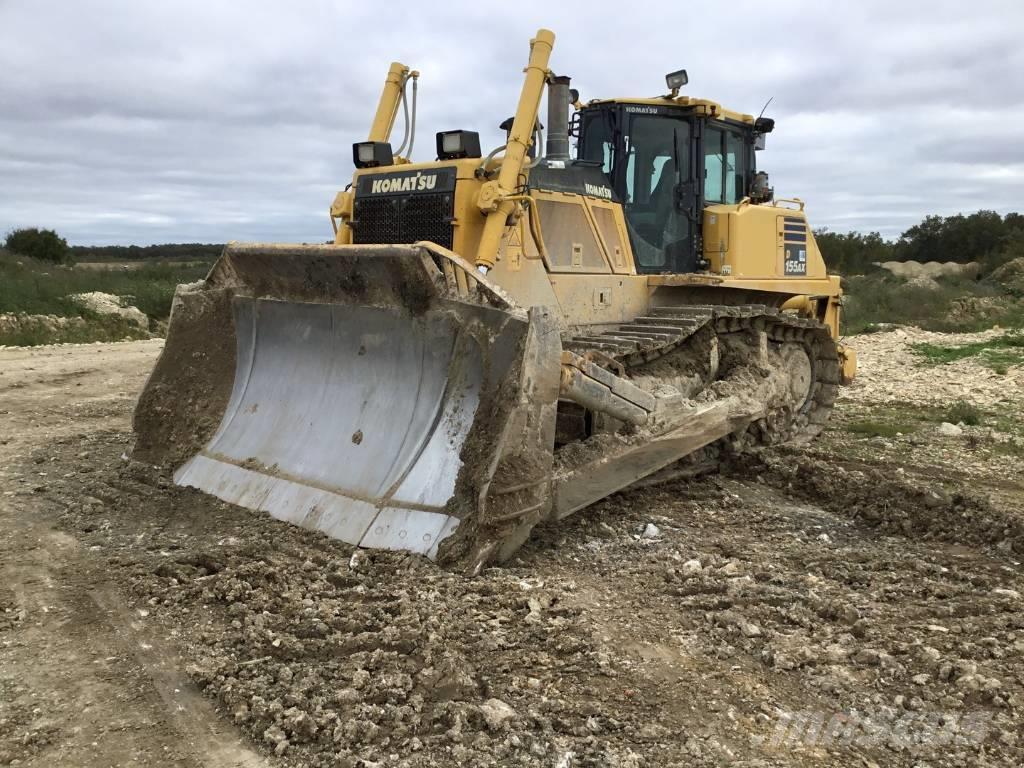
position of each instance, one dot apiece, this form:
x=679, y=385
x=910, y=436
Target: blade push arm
x=390, y=98
x=494, y=199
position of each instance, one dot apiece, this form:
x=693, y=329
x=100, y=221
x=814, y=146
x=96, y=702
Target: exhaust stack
x=558, y=118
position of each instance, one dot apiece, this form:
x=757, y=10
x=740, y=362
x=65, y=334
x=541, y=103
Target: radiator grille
x=394, y=219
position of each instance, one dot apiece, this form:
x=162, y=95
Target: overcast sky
x=183, y=121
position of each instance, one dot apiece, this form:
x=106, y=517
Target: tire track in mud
x=189, y=713
x=82, y=681
x=127, y=702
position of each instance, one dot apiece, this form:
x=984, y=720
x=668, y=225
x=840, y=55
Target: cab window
x=734, y=170
x=713, y=162
x=598, y=143
x=724, y=166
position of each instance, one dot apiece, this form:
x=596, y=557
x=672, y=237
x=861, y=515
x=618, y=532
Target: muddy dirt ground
x=854, y=603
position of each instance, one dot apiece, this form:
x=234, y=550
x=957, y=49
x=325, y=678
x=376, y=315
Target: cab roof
x=701, y=106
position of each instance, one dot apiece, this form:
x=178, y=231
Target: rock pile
x=933, y=269
x=108, y=304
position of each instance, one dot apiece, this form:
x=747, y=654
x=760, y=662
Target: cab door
x=649, y=155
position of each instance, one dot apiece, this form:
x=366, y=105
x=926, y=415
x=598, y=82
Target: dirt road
x=83, y=680
x=858, y=603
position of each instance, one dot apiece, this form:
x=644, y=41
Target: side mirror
x=759, y=140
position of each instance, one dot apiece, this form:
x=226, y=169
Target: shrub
x=42, y=244
x=962, y=412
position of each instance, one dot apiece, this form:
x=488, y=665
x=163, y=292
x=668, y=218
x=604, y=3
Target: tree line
x=47, y=245
x=196, y=251
x=985, y=237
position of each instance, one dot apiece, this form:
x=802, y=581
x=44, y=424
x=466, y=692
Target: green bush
x=1005, y=265
x=962, y=412
x=41, y=244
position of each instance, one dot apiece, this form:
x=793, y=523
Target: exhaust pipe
x=557, y=147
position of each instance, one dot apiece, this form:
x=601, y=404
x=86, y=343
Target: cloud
x=129, y=122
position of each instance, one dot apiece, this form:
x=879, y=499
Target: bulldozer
x=491, y=341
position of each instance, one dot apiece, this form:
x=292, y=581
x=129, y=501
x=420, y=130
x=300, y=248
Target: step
x=695, y=310
x=631, y=333
x=583, y=343
x=670, y=330
x=677, y=322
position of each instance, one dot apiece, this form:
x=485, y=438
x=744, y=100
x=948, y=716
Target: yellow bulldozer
x=496, y=340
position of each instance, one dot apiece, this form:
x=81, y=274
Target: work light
x=676, y=80
x=455, y=144
x=370, y=154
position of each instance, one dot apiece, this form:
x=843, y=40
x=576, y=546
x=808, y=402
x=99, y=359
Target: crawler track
x=742, y=333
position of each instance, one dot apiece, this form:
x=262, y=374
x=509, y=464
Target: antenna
x=765, y=107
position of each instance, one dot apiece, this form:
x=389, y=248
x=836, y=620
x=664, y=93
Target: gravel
x=680, y=624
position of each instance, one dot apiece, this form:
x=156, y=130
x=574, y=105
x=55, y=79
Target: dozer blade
x=387, y=396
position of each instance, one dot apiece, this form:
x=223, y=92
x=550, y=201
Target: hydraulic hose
x=412, y=125
x=405, y=115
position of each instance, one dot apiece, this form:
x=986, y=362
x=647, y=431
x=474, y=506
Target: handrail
x=796, y=200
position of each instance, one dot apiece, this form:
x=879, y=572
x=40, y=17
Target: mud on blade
x=384, y=395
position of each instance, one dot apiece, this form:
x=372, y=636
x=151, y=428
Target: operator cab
x=667, y=159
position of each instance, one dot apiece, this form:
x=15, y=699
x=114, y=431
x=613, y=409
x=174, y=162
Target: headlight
x=370, y=154
x=455, y=144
